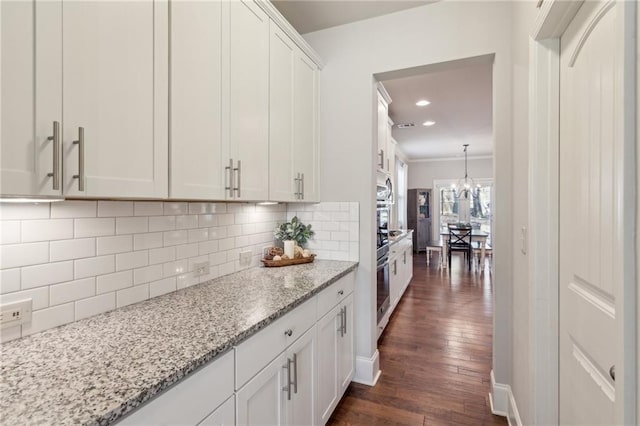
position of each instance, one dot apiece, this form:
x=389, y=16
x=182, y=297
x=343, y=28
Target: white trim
x=553, y=18
x=470, y=157
x=503, y=403
x=367, y=369
x=383, y=92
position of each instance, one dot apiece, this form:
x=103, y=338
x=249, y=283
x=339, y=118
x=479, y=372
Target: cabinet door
x=305, y=116
x=328, y=336
x=383, y=118
x=197, y=164
x=115, y=60
x=346, y=356
x=395, y=279
x=262, y=401
x=247, y=71
x=391, y=152
x=282, y=61
x=302, y=407
x=225, y=415
x=31, y=87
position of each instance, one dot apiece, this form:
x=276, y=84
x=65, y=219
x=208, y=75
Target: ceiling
x=460, y=91
x=312, y=15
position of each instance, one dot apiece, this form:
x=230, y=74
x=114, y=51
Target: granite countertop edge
x=129, y=406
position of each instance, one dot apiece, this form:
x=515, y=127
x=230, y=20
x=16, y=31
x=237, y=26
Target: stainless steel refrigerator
x=419, y=214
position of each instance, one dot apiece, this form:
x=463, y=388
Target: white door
x=346, y=358
x=592, y=227
x=282, y=59
x=115, y=62
x=31, y=87
x=248, y=99
x=328, y=364
x=197, y=165
x=305, y=126
x=302, y=407
x=263, y=401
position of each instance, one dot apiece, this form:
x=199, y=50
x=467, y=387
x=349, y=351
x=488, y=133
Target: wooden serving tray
x=287, y=262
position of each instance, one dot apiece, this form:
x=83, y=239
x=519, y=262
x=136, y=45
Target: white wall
x=353, y=53
x=423, y=173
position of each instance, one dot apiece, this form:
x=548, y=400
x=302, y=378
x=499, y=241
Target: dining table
x=476, y=235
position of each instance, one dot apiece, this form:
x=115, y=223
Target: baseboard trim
x=367, y=369
x=503, y=403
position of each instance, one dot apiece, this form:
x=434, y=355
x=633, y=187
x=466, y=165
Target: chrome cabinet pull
x=302, y=186
x=288, y=332
x=405, y=258
x=297, y=181
x=287, y=388
x=341, y=292
x=238, y=170
x=341, y=328
x=612, y=372
x=80, y=143
x=395, y=267
x=227, y=177
x=344, y=323
x=295, y=373
x=56, y=155
x=381, y=155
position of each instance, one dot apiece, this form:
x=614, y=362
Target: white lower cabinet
x=301, y=359
x=223, y=416
x=192, y=400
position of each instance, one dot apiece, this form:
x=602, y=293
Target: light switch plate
x=200, y=269
x=245, y=258
x=15, y=313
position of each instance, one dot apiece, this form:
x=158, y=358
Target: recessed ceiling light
x=422, y=102
x=429, y=123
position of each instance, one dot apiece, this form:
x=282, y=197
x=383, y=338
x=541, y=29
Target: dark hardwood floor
x=435, y=355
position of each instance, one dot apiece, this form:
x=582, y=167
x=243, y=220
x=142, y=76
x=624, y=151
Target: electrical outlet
x=245, y=258
x=200, y=269
x=15, y=313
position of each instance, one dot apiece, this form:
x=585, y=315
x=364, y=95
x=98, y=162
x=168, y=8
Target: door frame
x=544, y=142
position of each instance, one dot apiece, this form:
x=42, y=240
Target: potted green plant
x=294, y=231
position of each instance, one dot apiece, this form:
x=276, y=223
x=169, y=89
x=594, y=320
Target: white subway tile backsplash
x=94, y=266
x=148, y=208
x=11, y=211
x=161, y=255
x=162, y=223
x=49, y=273
x=94, y=227
x=147, y=274
x=134, y=259
x=9, y=280
x=112, y=282
x=95, y=305
x=132, y=225
x=176, y=208
x=73, y=290
x=132, y=295
x=96, y=255
x=72, y=249
x=115, y=208
x=49, y=318
x=115, y=244
x=158, y=288
x=39, y=297
x=73, y=209
x=147, y=241
x=14, y=255
x=10, y=232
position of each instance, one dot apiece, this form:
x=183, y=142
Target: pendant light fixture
x=465, y=185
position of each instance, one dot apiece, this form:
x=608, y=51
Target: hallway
x=435, y=355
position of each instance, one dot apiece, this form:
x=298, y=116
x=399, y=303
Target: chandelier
x=465, y=186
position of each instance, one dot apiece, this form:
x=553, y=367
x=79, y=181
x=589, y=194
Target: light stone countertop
x=95, y=370
x=405, y=233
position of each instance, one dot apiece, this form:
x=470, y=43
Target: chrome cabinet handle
x=341, y=328
x=612, y=372
x=238, y=170
x=302, y=186
x=288, y=332
x=381, y=155
x=287, y=388
x=344, y=323
x=341, y=292
x=56, y=155
x=227, y=177
x=395, y=267
x=80, y=143
x=297, y=194
x=295, y=373
x=405, y=258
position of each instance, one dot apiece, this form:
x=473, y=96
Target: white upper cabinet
x=282, y=64
x=247, y=112
x=197, y=164
x=31, y=88
x=305, y=127
x=115, y=98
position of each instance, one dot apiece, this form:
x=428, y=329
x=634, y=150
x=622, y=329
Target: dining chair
x=460, y=241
